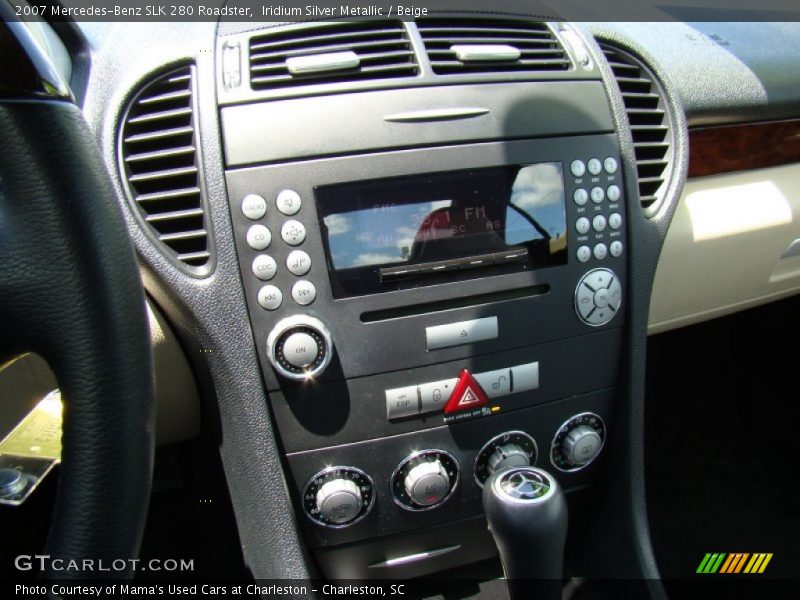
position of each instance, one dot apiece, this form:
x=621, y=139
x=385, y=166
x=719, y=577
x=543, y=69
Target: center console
x=435, y=276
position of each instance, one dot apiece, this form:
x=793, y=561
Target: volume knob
x=299, y=347
x=427, y=483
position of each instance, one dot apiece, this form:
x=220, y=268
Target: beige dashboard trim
x=723, y=251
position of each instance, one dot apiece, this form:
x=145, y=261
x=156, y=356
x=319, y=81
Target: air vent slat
x=383, y=50
x=648, y=120
x=539, y=48
x=159, y=162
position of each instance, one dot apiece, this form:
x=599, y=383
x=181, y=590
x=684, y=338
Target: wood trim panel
x=715, y=150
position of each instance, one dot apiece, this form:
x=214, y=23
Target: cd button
x=259, y=237
x=434, y=395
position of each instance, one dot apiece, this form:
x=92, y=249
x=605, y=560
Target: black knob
x=527, y=516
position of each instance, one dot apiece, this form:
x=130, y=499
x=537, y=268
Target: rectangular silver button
x=402, y=402
x=464, y=332
x=526, y=377
x=495, y=383
x=433, y=396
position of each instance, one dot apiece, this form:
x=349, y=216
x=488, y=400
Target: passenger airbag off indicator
x=467, y=396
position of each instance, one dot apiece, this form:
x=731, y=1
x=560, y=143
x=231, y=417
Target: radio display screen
x=413, y=226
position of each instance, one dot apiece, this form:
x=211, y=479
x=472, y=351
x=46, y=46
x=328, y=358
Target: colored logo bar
x=732, y=563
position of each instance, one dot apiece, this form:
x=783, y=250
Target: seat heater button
x=254, y=207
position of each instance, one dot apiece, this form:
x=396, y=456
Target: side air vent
x=649, y=121
x=333, y=52
x=159, y=162
x=457, y=46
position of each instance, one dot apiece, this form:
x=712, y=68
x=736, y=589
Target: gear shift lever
x=527, y=516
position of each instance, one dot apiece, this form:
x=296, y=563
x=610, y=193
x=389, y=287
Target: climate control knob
x=509, y=449
x=299, y=347
x=338, y=496
x=578, y=442
x=425, y=480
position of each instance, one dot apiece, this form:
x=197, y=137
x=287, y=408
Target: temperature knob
x=425, y=480
x=299, y=347
x=338, y=496
x=578, y=442
x=509, y=449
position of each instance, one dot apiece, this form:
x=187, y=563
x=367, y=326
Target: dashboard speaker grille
x=159, y=161
x=648, y=119
x=537, y=48
x=337, y=52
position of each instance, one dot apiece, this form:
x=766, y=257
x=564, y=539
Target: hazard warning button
x=467, y=394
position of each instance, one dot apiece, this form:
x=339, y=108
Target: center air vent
x=650, y=123
x=159, y=162
x=456, y=46
x=331, y=52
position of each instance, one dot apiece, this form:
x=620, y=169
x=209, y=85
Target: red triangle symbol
x=467, y=394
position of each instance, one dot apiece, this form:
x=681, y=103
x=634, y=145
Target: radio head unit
x=397, y=233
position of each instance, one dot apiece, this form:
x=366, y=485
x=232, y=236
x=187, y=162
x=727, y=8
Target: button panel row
x=293, y=233
x=431, y=397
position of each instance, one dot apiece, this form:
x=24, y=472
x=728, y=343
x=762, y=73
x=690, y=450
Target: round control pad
x=578, y=442
x=299, y=347
x=425, y=480
x=338, y=496
x=598, y=297
x=509, y=449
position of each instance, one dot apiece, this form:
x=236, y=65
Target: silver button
x=298, y=262
x=288, y=202
x=615, y=294
x=259, y=237
x=613, y=193
x=581, y=196
x=584, y=302
x=270, y=297
x=433, y=396
x=615, y=248
x=495, y=383
x=582, y=225
x=600, y=251
x=595, y=166
x=597, y=195
x=577, y=168
x=264, y=267
x=526, y=377
x=615, y=220
x=401, y=402
x=254, y=207
x=601, y=298
x=304, y=292
x=584, y=253
x=293, y=232
x=464, y=332
x=610, y=165
x=599, y=223
x=300, y=350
